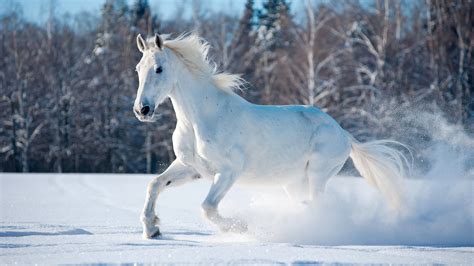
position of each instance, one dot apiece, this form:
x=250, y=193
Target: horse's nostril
x=145, y=110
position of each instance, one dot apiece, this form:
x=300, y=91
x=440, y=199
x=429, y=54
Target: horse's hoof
x=152, y=233
x=156, y=234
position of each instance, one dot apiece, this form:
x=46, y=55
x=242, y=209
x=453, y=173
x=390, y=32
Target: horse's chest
x=195, y=151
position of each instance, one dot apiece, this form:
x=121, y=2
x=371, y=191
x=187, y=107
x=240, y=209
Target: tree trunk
x=310, y=53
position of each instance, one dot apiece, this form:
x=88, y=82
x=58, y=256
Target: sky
x=37, y=10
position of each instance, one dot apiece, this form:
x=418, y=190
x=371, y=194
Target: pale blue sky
x=37, y=10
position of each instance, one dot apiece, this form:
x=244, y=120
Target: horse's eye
x=159, y=69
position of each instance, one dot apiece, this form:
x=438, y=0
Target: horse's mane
x=193, y=52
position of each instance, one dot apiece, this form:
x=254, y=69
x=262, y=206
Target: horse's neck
x=196, y=101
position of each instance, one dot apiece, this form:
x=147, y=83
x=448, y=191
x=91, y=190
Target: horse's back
x=291, y=120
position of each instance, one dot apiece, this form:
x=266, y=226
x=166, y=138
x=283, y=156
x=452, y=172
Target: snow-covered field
x=94, y=219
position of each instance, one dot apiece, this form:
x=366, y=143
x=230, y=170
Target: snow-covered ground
x=81, y=218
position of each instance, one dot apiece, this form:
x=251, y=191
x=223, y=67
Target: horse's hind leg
x=330, y=153
x=318, y=173
x=297, y=190
x=221, y=185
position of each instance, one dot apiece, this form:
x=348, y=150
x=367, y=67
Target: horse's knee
x=154, y=185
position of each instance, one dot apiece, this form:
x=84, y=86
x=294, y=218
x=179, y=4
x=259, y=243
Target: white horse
x=223, y=137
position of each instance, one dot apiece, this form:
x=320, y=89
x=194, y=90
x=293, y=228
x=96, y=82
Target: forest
x=67, y=86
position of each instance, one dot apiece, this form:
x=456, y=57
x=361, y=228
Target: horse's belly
x=272, y=179
x=274, y=173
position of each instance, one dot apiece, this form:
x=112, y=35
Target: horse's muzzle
x=145, y=114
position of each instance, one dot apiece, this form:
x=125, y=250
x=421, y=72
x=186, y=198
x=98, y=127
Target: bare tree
x=67, y=87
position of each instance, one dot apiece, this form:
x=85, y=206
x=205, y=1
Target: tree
x=449, y=29
x=142, y=19
x=242, y=53
x=67, y=86
x=110, y=53
x=243, y=40
x=273, y=44
x=21, y=123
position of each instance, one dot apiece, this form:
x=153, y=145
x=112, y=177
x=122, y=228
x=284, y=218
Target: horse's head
x=154, y=76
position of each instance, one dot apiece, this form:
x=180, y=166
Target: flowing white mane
x=193, y=51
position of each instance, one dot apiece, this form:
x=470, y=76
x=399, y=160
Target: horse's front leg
x=176, y=174
x=221, y=185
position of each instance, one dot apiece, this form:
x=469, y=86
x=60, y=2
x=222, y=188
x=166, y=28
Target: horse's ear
x=158, y=41
x=141, y=43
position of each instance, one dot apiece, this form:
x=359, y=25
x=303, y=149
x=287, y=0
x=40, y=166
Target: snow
x=90, y=218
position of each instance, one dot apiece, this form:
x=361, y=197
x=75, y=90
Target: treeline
x=67, y=87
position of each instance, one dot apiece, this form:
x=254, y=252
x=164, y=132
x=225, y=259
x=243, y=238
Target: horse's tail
x=382, y=166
